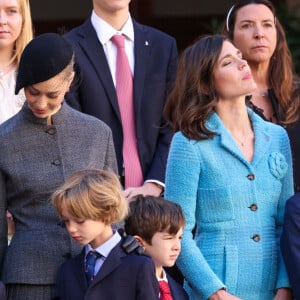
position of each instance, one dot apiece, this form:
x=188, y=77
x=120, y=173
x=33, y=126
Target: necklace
x=243, y=141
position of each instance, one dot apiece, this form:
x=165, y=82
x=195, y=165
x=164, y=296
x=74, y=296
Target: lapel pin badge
x=146, y=43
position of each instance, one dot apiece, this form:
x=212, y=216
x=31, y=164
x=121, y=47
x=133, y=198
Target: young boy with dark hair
x=89, y=203
x=157, y=224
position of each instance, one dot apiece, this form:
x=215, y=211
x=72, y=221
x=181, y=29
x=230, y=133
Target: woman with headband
x=255, y=30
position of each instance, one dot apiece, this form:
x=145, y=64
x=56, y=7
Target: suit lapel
x=79, y=262
x=94, y=50
x=111, y=263
x=142, y=49
x=173, y=288
x=262, y=138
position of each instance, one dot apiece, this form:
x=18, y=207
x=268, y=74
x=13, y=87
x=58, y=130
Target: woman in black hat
x=40, y=147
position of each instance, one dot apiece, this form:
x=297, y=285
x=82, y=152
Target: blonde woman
x=15, y=33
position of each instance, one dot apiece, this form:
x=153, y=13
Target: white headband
x=228, y=16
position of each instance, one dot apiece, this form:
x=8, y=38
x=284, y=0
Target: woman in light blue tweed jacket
x=232, y=173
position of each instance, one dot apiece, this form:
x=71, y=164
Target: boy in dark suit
x=89, y=202
x=157, y=224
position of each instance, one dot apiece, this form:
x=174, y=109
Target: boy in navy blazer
x=89, y=202
x=157, y=224
x=152, y=57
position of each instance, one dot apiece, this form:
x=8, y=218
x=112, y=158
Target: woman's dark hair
x=281, y=70
x=193, y=97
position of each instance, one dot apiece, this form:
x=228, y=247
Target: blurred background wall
x=183, y=19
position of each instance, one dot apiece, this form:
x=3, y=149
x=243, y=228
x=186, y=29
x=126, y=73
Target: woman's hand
x=222, y=295
x=283, y=294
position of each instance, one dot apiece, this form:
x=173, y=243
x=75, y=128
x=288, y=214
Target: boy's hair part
x=149, y=215
x=92, y=194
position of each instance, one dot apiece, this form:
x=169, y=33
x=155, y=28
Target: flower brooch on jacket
x=278, y=165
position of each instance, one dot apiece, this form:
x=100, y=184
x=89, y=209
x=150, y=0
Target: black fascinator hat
x=43, y=58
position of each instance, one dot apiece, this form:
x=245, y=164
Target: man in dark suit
x=2, y=291
x=152, y=57
x=290, y=242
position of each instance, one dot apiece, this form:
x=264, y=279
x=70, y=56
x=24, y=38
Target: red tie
x=124, y=85
x=164, y=289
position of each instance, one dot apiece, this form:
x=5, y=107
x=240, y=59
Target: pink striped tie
x=124, y=85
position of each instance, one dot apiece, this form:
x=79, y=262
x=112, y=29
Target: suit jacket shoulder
x=2, y=291
x=122, y=276
x=177, y=290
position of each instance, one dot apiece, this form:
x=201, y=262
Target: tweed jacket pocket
x=216, y=205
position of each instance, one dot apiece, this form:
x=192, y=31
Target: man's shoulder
x=293, y=204
x=131, y=261
x=78, y=30
x=152, y=31
x=136, y=258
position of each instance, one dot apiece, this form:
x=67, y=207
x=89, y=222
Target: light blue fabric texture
x=210, y=180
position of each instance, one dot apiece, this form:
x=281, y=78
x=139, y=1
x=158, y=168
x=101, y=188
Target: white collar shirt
x=104, y=250
x=105, y=32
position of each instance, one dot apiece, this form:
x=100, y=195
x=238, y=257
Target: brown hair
x=92, y=194
x=193, y=97
x=281, y=70
x=149, y=215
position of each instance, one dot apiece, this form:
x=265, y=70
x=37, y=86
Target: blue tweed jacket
x=236, y=208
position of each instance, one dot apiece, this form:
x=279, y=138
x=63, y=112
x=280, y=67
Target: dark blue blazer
x=2, y=291
x=122, y=276
x=178, y=292
x=290, y=242
x=154, y=72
